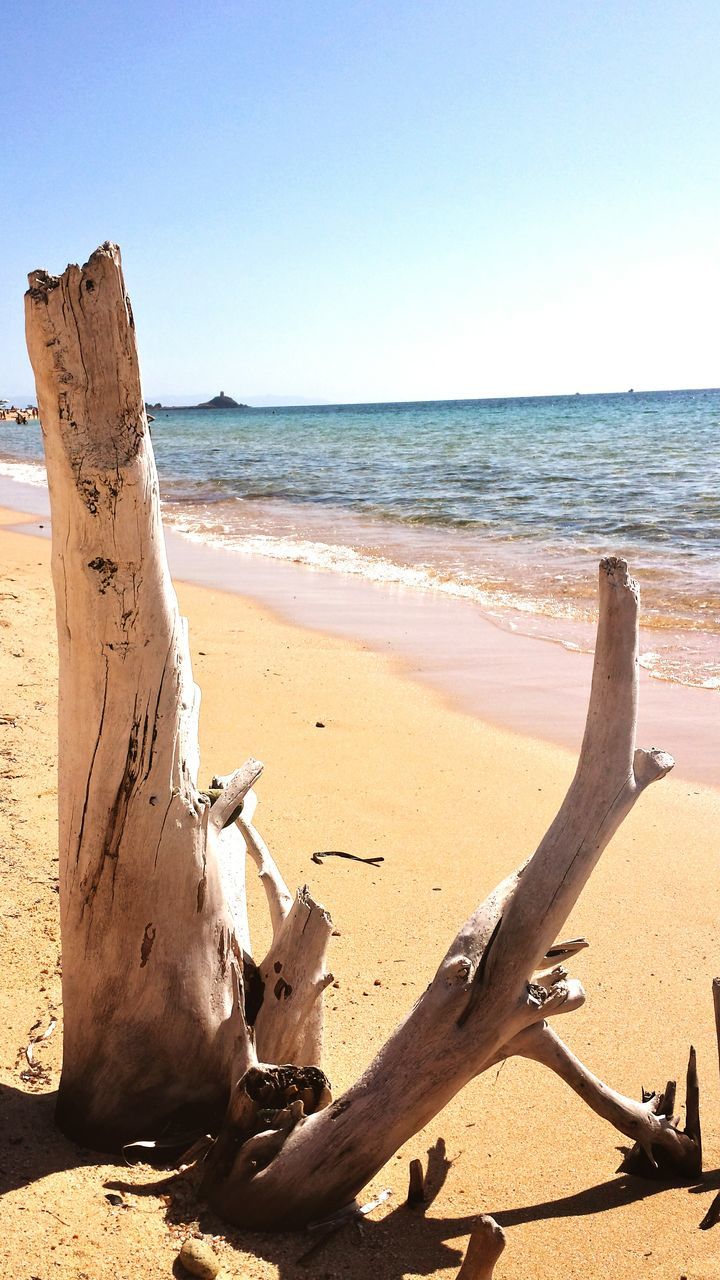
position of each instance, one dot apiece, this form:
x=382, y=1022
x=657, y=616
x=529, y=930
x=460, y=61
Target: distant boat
x=631, y=391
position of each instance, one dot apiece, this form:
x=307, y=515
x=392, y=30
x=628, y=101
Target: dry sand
x=452, y=804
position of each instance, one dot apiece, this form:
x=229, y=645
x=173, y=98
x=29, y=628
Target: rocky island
x=222, y=402
x=218, y=402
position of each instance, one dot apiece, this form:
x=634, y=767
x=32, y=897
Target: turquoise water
x=507, y=502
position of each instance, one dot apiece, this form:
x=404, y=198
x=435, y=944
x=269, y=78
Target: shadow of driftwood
x=406, y=1242
x=603, y=1197
x=31, y=1147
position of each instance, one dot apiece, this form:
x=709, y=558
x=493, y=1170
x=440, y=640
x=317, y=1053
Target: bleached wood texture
x=147, y=939
x=482, y=996
x=279, y=897
x=168, y=1020
x=656, y=1135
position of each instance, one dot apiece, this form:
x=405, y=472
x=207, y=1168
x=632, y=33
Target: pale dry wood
x=480, y=998
x=233, y=790
x=564, y=950
x=484, y=1248
x=159, y=989
x=289, y=1025
x=637, y=1120
x=610, y=776
x=230, y=848
x=147, y=938
x=279, y=897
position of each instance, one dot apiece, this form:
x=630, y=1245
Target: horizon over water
x=505, y=502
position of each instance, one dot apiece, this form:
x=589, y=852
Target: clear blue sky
x=381, y=200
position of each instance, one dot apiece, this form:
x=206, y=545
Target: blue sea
x=508, y=503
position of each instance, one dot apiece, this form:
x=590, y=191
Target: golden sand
x=452, y=804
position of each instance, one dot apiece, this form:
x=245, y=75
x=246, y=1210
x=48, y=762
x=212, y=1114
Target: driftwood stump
x=170, y=1024
x=484, y=1248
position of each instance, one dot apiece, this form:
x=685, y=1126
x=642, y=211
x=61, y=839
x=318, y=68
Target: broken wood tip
x=416, y=1188
x=484, y=1248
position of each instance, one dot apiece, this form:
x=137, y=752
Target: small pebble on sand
x=199, y=1259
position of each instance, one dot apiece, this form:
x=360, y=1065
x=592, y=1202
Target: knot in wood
x=536, y=993
x=458, y=971
x=277, y=1097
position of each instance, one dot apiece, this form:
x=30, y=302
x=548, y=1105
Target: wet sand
x=514, y=681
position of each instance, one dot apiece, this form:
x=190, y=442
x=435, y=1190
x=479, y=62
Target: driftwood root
x=266, y=1105
x=677, y=1160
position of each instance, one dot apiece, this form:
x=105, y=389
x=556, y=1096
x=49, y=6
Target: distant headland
x=218, y=402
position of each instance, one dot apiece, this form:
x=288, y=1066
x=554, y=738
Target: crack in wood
x=479, y=975
x=147, y=944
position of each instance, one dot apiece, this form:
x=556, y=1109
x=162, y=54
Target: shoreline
x=508, y=505
x=532, y=686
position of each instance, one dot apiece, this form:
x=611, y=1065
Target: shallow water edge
x=511, y=680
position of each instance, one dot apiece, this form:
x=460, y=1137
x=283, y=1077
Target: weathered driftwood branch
x=159, y=990
x=481, y=996
x=610, y=776
x=226, y=808
x=145, y=1006
x=289, y=1024
x=656, y=1135
x=279, y=897
x=230, y=846
x=484, y=1248
x=168, y=1020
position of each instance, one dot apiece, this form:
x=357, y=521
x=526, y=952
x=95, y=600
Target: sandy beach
x=368, y=352
x=12, y=415
x=451, y=803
